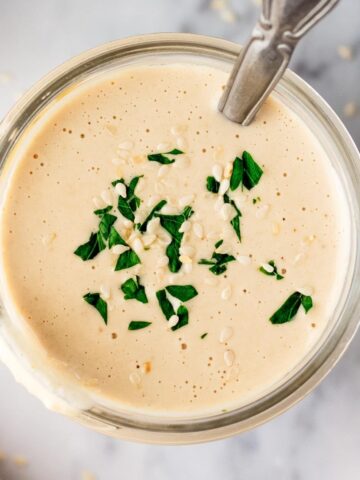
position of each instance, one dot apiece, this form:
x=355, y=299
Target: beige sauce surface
x=103, y=131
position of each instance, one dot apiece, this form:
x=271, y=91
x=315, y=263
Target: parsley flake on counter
x=138, y=325
x=162, y=158
x=182, y=292
x=151, y=215
x=172, y=224
x=133, y=290
x=101, y=211
x=218, y=261
x=290, y=307
x=246, y=172
x=272, y=271
x=129, y=204
x=203, y=336
x=97, y=302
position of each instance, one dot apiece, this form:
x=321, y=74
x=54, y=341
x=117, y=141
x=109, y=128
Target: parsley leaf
x=290, y=307
x=162, y=158
x=218, y=261
x=274, y=272
x=182, y=292
x=168, y=310
x=97, y=302
x=128, y=205
x=101, y=211
x=127, y=259
x=165, y=304
x=235, y=221
x=151, y=215
x=107, y=221
x=91, y=248
x=237, y=173
x=172, y=224
x=246, y=172
x=115, y=238
x=183, y=314
x=212, y=185
x=138, y=325
x=133, y=290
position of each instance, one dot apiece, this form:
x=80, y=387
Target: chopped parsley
x=218, y=261
x=101, y=211
x=246, y=172
x=151, y=215
x=203, y=336
x=273, y=273
x=115, y=238
x=106, y=222
x=162, y=158
x=127, y=259
x=138, y=325
x=182, y=292
x=167, y=308
x=172, y=224
x=133, y=290
x=212, y=185
x=89, y=250
x=129, y=204
x=290, y=307
x=235, y=221
x=97, y=302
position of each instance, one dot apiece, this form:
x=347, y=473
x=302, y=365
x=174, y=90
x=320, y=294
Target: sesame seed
x=226, y=293
x=229, y=357
x=198, y=230
x=173, y=320
x=135, y=378
x=225, y=334
x=217, y=172
x=120, y=189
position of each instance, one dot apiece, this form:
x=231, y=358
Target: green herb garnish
x=256, y=200
x=246, y=172
x=91, y=248
x=218, y=261
x=107, y=221
x=172, y=224
x=274, y=272
x=138, y=325
x=182, y=292
x=133, y=290
x=235, y=221
x=168, y=310
x=290, y=307
x=212, y=185
x=101, y=211
x=127, y=259
x=129, y=204
x=97, y=302
x=165, y=304
x=151, y=215
x=162, y=158
x=115, y=238
x=203, y=336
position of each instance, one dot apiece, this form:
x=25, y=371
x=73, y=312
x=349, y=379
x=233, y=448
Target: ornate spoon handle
x=265, y=57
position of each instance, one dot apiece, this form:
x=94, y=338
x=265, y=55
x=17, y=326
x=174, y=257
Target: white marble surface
x=320, y=437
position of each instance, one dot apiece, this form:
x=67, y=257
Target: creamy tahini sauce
x=104, y=130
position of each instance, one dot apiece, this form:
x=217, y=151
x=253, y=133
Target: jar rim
x=158, y=429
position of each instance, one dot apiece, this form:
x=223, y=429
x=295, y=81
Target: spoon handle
x=266, y=55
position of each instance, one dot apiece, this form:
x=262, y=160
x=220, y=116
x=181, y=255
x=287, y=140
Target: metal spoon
x=266, y=55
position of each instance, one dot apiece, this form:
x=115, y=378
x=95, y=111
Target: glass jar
x=343, y=155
